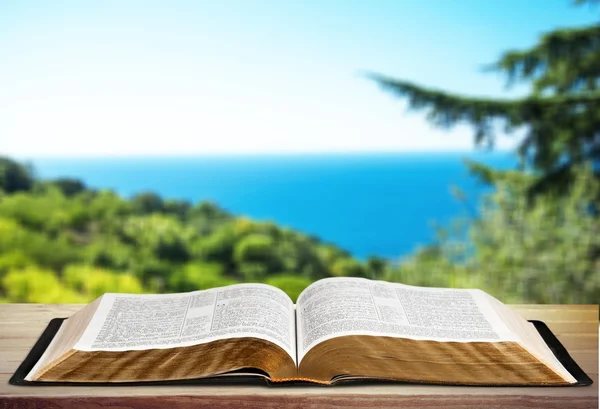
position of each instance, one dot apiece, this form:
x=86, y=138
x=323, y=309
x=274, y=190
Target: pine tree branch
x=563, y=60
x=561, y=117
x=447, y=109
x=562, y=176
x=558, y=128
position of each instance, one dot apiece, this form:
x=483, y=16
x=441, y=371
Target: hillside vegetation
x=61, y=242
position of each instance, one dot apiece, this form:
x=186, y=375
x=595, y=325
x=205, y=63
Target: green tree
x=92, y=282
x=46, y=212
x=291, y=284
x=14, y=177
x=255, y=255
x=376, y=266
x=68, y=186
x=430, y=266
x=178, y=208
x=541, y=252
x=348, y=267
x=146, y=203
x=560, y=116
x=37, y=285
x=108, y=208
x=206, y=217
x=108, y=252
x=520, y=251
x=79, y=243
x=53, y=253
x=14, y=260
x=198, y=276
x=152, y=271
x=164, y=236
x=217, y=246
x=536, y=236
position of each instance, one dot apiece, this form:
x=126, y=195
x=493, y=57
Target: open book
x=340, y=329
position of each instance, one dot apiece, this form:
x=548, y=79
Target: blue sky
x=201, y=77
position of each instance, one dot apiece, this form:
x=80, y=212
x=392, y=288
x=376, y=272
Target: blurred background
x=154, y=146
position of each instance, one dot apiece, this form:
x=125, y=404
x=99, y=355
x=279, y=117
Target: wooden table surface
x=575, y=325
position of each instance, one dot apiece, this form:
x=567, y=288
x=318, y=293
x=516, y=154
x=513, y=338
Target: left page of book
x=134, y=322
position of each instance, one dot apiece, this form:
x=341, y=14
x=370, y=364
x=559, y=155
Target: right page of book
x=335, y=307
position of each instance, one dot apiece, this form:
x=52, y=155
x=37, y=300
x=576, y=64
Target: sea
x=369, y=204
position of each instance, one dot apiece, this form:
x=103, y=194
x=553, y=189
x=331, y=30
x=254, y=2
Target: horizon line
x=89, y=155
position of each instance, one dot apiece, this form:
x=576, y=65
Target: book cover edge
x=18, y=378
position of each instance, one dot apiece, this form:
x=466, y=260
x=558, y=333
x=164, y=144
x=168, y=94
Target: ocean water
x=369, y=204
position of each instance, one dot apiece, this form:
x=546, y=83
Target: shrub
x=348, y=267
x=198, y=276
x=93, y=282
x=256, y=249
x=37, y=285
x=291, y=284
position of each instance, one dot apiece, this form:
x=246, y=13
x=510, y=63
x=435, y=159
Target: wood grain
x=575, y=325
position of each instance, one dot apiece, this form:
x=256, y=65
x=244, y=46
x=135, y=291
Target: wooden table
x=575, y=325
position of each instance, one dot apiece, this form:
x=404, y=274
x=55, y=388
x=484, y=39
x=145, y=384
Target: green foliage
x=11, y=234
x=254, y=248
x=218, y=246
x=108, y=252
x=537, y=237
x=564, y=60
x=93, y=282
x=431, y=267
x=291, y=284
x=51, y=252
x=80, y=243
x=199, y=276
x=49, y=211
x=164, y=236
x=108, y=208
x=206, y=217
x=57, y=248
x=14, y=177
x=147, y=203
x=544, y=252
x=561, y=116
x=152, y=271
x=177, y=208
x=348, y=267
x=14, y=260
x=67, y=186
x=252, y=272
x=534, y=238
x=558, y=127
x=376, y=267
x=37, y=285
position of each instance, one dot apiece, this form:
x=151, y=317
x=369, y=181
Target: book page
x=335, y=307
x=133, y=322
